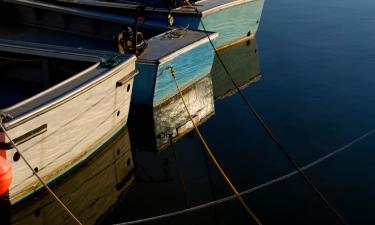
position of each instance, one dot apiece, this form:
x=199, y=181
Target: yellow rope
x=208, y=150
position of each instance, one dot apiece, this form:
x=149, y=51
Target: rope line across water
x=253, y=189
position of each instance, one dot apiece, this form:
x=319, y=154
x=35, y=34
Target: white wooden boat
x=90, y=192
x=59, y=105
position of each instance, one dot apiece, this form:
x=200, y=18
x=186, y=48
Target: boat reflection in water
x=89, y=192
x=242, y=62
x=169, y=121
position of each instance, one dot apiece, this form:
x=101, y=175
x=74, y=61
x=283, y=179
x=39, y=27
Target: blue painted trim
x=189, y=67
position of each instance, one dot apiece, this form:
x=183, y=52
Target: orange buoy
x=6, y=175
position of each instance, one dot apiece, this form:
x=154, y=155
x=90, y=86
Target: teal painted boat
x=191, y=57
x=234, y=20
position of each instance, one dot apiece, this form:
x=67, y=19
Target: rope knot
x=110, y=62
x=173, y=73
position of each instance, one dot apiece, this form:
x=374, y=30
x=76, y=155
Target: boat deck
x=166, y=45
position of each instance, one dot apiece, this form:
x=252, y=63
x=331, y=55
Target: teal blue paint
x=154, y=83
x=189, y=67
x=235, y=22
x=143, y=87
x=232, y=23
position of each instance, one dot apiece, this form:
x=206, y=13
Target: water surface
x=315, y=92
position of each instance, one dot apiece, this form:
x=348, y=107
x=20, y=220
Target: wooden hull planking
x=75, y=125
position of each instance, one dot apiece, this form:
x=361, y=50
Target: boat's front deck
x=171, y=43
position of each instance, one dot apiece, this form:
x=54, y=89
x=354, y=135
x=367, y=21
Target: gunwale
x=63, y=91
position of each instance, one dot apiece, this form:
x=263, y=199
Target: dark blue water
x=316, y=93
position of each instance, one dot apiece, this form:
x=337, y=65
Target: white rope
x=251, y=190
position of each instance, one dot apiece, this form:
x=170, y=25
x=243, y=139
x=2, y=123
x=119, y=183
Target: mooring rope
x=65, y=208
x=209, y=152
x=272, y=136
x=253, y=189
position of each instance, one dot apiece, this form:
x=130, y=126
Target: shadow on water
x=89, y=192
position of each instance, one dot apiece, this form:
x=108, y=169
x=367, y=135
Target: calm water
x=316, y=93
x=316, y=60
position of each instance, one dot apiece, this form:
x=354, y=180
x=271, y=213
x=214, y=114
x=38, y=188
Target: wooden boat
x=169, y=121
x=189, y=52
x=242, y=62
x=234, y=20
x=59, y=105
x=90, y=192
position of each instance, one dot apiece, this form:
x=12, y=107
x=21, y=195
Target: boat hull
x=169, y=121
x=233, y=23
x=155, y=83
x=233, y=20
x=70, y=129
